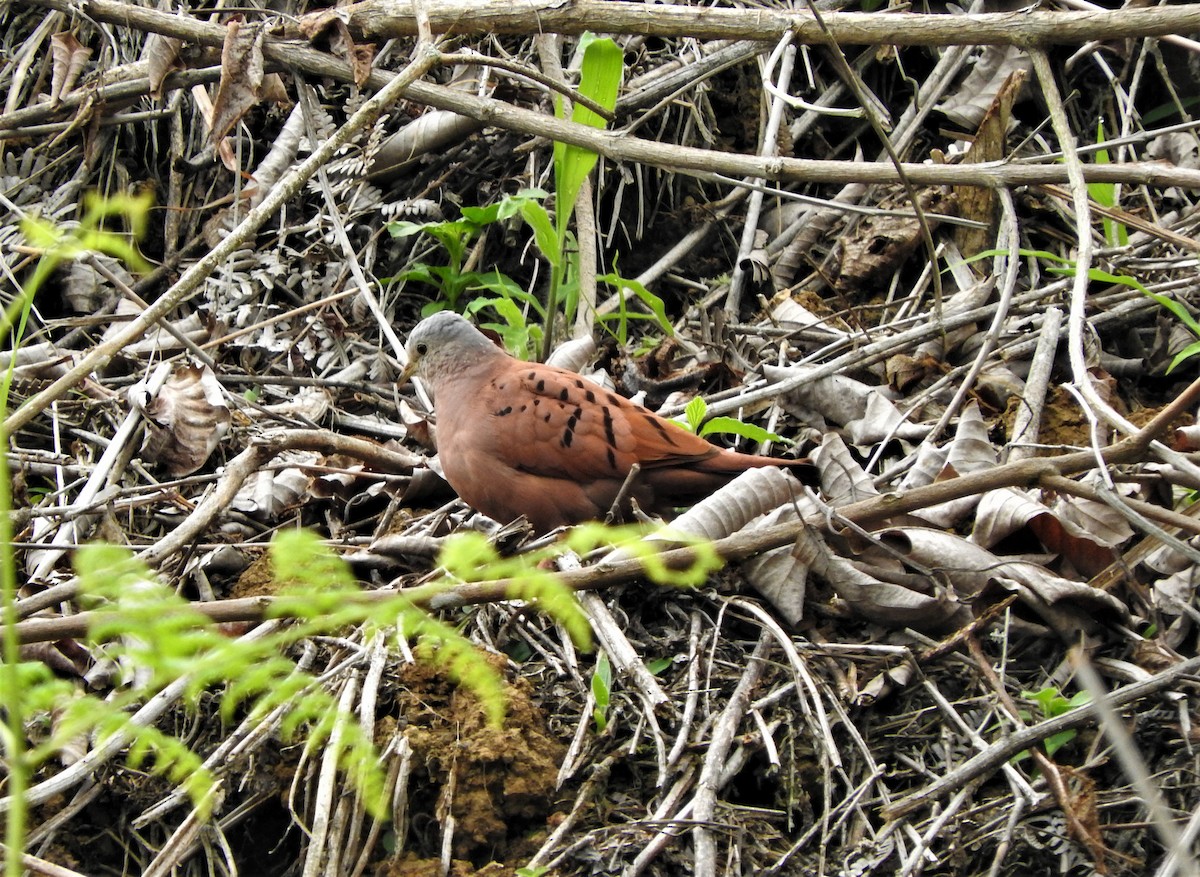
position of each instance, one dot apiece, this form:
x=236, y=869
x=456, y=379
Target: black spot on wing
x=589, y=395
x=540, y=386
x=564, y=394
x=612, y=460
x=505, y=411
x=609, y=435
x=569, y=432
x=662, y=431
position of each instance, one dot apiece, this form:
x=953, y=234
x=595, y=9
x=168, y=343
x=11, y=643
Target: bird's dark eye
x=422, y=348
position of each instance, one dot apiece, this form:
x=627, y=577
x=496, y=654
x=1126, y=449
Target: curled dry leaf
x=434, y=131
x=342, y=479
x=1082, y=532
x=885, y=682
x=979, y=203
x=929, y=464
x=358, y=55
x=1067, y=606
x=66, y=657
x=157, y=342
x=997, y=384
x=843, y=480
x=968, y=297
x=161, y=54
x=835, y=398
x=574, y=355
x=786, y=309
x=729, y=509
x=969, y=451
x=757, y=263
x=1172, y=596
x=185, y=421
x=865, y=411
x=903, y=372
x=756, y=498
x=973, y=569
x=70, y=56
x=400, y=546
x=1165, y=560
x=241, y=76
x=928, y=604
x=85, y=289
x=281, y=157
x=746, y=498
x=277, y=487
x=975, y=95
x=882, y=421
x=417, y=425
x=881, y=243
x=968, y=566
x=1179, y=148
x=307, y=404
x=779, y=576
x=73, y=747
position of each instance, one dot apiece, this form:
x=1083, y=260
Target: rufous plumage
x=520, y=438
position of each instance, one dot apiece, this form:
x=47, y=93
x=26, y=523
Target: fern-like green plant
x=26, y=689
x=142, y=623
x=1051, y=703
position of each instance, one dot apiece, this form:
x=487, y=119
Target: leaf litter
x=840, y=700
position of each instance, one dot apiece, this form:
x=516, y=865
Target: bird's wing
x=547, y=421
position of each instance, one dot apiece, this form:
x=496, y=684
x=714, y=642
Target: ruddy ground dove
x=519, y=438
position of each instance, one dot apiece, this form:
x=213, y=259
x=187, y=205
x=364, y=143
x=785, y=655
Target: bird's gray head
x=446, y=344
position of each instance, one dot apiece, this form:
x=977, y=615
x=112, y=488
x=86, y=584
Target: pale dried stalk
x=768, y=149
x=689, y=159
x=389, y=18
x=1027, y=423
x=724, y=733
x=322, y=856
x=625, y=659
x=182, y=840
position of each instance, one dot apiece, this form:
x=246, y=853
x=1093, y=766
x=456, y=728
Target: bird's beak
x=409, y=371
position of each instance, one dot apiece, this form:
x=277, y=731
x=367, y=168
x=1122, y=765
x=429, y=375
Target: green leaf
x=658, y=665
x=694, y=412
x=602, y=692
x=519, y=337
x=482, y=216
x=600, y=80
x=732, y=426
x=656, y=305
x=1105, y=194
x=133, y=209
x=545, y=236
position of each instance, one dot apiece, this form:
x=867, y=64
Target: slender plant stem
x=12, y=695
